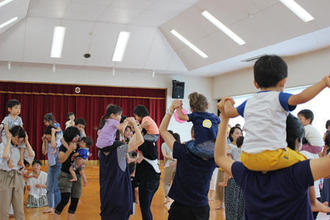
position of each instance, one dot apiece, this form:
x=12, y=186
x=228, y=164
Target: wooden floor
x=89, y=205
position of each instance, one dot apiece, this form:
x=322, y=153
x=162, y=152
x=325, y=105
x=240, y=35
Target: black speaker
x=177, y=89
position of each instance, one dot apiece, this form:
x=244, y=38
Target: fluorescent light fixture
x=298, y=10
x=223, y=28
x=57, y=44
x=189, y=44
x=121, y=46
x=8, y=22
x=5, y=2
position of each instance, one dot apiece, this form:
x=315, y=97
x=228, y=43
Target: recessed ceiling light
x=298, y=10
x=8, y=22
x=223, y=28
x=5, y=2
x=58, y=40
x=121, y=46
x=189, y=44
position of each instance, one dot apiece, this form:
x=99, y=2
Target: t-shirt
x=53, y=158
x=235, y=152
x=265, y=117
x=191, y=182
x=115, y=186
x=152, y=128
x=14, y=155
x=107, y=134
x=32, y=181
x=8, y=120
x=168, y=152
x=313, y=137
x=280, y=194
x=69, y=161
x=205, y=126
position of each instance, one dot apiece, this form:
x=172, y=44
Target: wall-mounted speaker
x=177, y=89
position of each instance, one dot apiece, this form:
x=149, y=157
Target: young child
x=142, y=115
x=265, y=114
x=11, y=120
x=50, y=120
x=36, y=185
x=205, y=126
x=313, y=138
x=79, y=162
x=109, y=124
x=80, y=123
x=70, y=120
x=150, y=133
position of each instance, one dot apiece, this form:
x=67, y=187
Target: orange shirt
x=152, y=128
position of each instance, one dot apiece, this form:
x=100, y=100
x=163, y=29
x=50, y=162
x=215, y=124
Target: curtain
x=88, y=102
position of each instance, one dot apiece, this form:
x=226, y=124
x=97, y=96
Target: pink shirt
x=152, y=128
x=107, y=134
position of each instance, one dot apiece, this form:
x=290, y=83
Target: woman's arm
x=165, y=154
x=44, y=145
x=168, y=137
x=121, y=127
x=137, y=138
x=63, y=156
x=221, y=142
x=28, y=146
x=53, y=139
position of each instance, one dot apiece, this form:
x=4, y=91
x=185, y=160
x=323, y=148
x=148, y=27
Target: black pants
x=147, y=191
x=179, y=211
x=65, y=197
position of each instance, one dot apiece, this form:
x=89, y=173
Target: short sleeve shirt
x=107, y=134
x=10, y=122
x=152, y=128
x=53, y=158
x=265, y=121
x=69, y=161
x=205, y=126
x=280, y=194
x=14, y=155
x=191, y=182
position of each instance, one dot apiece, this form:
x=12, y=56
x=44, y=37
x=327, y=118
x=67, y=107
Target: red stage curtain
x=38, y=99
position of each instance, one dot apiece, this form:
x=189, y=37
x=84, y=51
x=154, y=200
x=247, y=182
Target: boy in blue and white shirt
x=265, y=114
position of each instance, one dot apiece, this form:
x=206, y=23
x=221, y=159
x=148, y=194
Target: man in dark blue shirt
x=192, y=178
x=281, y=194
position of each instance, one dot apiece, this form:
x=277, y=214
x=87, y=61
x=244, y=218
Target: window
x=320, y=105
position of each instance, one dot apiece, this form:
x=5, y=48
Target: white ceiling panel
x=93, y=27
x=38, y=40
x=259, y=23
x=48, y=8
x=85, y=12
x=13, y=36
x=16, y=8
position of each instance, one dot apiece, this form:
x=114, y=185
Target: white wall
x=303, y=70
x=23, y=72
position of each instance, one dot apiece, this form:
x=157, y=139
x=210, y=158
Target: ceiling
x=92, y=27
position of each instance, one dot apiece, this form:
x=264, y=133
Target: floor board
x=89, y=205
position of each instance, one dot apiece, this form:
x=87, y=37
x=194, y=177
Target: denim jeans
x=53, y=192
x=146, y=193
x=204, y=150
